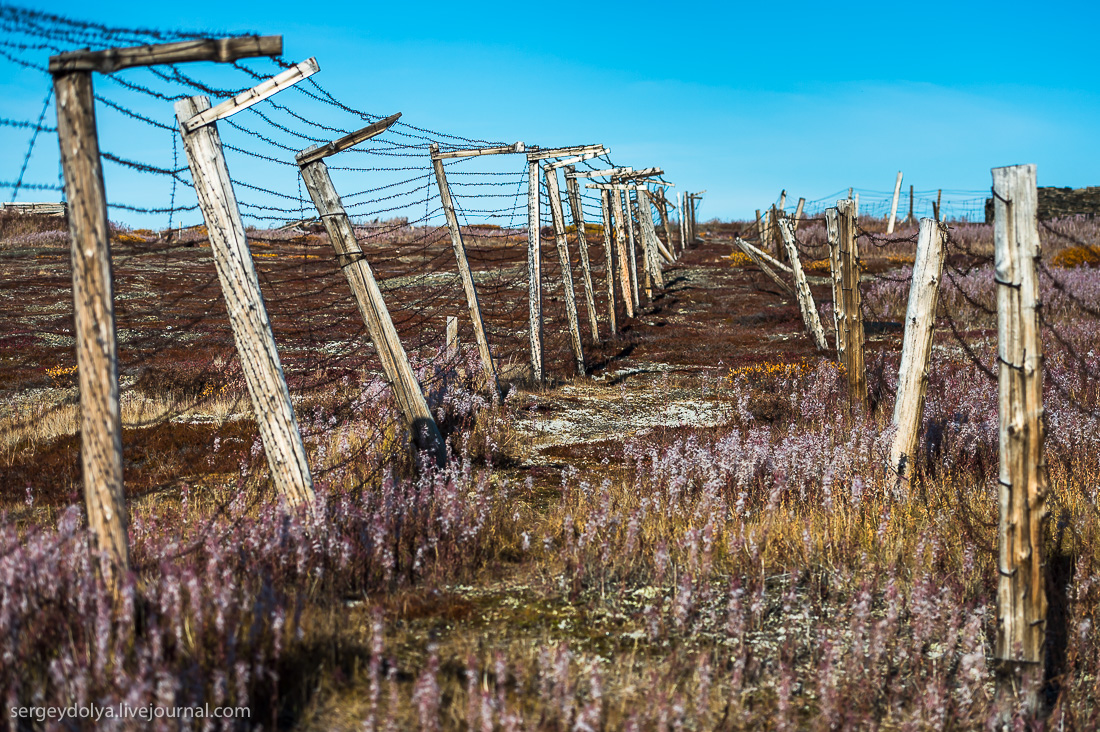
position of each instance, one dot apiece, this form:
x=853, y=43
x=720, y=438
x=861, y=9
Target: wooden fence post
x=263, y=371
x=1023, y=489
x=623, y=261
x=832, y=233
x=783, y=202
x=573, y=190
x=649, y=237
x=909, y=218
x=631, y=252
x=682, y=220
x=94, y=321
x=662, y=211
x=916, y=350
x=774, y=239
x=802, y=288
x=452, y=334
x=798, y=214
x=936, y=209
x=609, y=258
x=534, y=271
x=692, y=234
x=894, y=205
x=372, y=307
x=760, y=259
x=568, y=294
x=466, y=274
x=851, y=318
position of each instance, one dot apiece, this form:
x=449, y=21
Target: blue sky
x=739, y=99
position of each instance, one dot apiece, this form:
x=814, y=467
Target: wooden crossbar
x=222, y=50
x=258, y=93
x=516, y=148
x=314, y=153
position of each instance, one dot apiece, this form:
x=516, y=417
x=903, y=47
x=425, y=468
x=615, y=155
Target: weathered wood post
x=1023, y=489
x=643, y=240
x=760, y=230
x=372, y=306
x=662, y=211
x=850, y=315
x=263, y=371
x=916, y=350
x=798, y=214
x=621, y=251
x=609, y=259
x=568, y=294
x=909, y=218
x=681, y=220
x=761, y=261
x=832, y=233
x=95, y=334
x=452, y=334
x=94, y=320
x=649, y=235
x=773, y=233
x=802, y=287
x=894, y=205
x=936, y=206
x=534, y=271
x=632, y=259
x=692, y=233
x=466, y=274
x=577, y=212
x=783, y=202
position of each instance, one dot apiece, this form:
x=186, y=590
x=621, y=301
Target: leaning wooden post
x=263, y=371
x=534, y=271
x=94, y=321
x=568, y=294
x=798, y=214
x=632, y=259
x=1023, y=483
x=372, y=307
x=573, y=191
x=802, y=287
x=783, y=202
x=894, y=205
x=609, y=259
x=761, y=261
x=852, y=317
x=916, y=350
x=466, y=274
